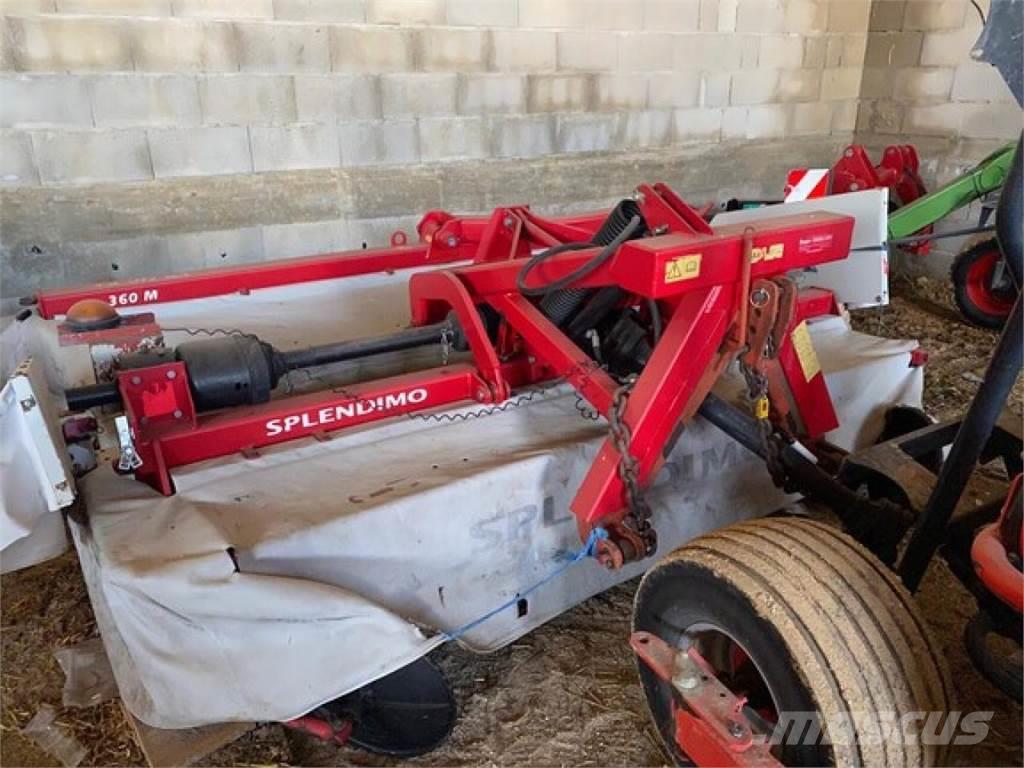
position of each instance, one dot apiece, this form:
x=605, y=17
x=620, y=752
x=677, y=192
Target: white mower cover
x=356, y=554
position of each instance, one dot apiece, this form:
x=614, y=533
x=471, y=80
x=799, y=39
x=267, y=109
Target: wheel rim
x=979, y=289
x=738, y=671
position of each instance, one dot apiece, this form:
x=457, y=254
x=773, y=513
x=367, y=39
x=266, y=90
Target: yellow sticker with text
x=805, y=353
x=683, y=268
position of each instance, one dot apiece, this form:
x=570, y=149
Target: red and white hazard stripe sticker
x=806, y=184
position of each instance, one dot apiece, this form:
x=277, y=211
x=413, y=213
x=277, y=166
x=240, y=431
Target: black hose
x=92, y=396
x=578, y=274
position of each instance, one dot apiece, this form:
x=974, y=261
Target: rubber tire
x=959, y=274
x=827, y=624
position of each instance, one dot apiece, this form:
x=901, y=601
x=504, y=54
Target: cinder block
x=558, y=93
x=814, y=52
x=650, y=128
x=781, y=51
x=454, y=50
x=587, y=51
x=934, y=120
x=522, y=135
x=768, y=121
x=481, y=13
x=339, y=11
x=86, y=156
x=719, y=53
x=673, y=90
x=734, y=123
x=991, y=121
x=405, y=11
x=109, y=7
x=224, y=9
x=518, y=50
x=121, y=259
x=709, y=15
x=726, y=16
x=568, y=14
x=848, y=16
x=268, y=47
x=880, y=116
x=886, y=15
x=948, y=49
x=245, y=99
x=293, y=147
x=803, y=84
x=876, y=83
x=491, y=93
x=975, y=81
x=63, y=44
x=697, y=125
x=619, y=92
x=834, y=54
x=759, y=16
x=647, y=51
x=287, y=241
x=854, y=50
x=128, y=100
x=714, y=89
x=329, y=98
x=377, y=232
x=217, y=248
x=43, y=100
x=919, y=84
x=672, y=15
x=373, y=49
x=935, y=14
x=811, y=118
x=805, y=16
x=608, y=14
x=27, y=7
x=200, y=150
x=452, y=138
x=844, y=116
x=587, y=132
x=17, y=167
x=183, y=45
x=894, y=49
x=758, y=87
x=413, y=95
x=840, y=84
x=379, y=142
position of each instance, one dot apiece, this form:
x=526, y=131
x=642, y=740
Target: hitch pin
x=130, y=458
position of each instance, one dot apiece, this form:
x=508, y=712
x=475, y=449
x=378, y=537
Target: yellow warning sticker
x=805, y=353
x=683, y=268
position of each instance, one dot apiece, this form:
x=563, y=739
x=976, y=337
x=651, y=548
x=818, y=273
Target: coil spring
x=559, y=306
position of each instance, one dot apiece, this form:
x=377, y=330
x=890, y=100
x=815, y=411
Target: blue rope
x=587, y=550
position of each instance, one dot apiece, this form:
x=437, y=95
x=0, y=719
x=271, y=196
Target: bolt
x=172, y=375
x=687, y=682
x=452, y=241
x=144, y=420
x=136, y=380
x=28, y=404
x=854, y=186
x=661, y=229
x=509, y=222
x=735, y=729
x=848, y=153
x=177, y=414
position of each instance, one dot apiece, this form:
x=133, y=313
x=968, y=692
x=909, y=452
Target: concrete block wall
x=921, y=86
x=125, y=107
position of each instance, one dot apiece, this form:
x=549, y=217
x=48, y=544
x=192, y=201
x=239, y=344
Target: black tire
x=977, y=301
x=1001, y=672
x=827, y=626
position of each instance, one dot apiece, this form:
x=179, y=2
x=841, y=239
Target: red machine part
x=898, y=170
x=992, y=547
x=711, y=728
x=704, y=283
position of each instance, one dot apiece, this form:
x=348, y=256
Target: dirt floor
x=565, y=694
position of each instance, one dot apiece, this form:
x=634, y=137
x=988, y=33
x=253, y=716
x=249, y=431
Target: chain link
x=639, y=518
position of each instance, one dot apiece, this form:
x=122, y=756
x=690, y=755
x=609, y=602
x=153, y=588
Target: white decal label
x=352, y=409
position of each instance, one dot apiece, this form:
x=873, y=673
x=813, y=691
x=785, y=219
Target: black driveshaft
x=92, y=396
x=409, y=338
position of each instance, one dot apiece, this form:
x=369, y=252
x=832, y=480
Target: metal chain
x=757, y=387
x=629, y=468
